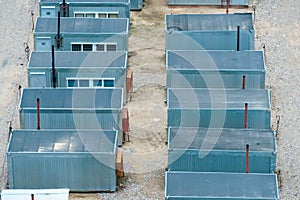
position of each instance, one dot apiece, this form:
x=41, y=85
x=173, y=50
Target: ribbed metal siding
x=257, y=119
x=77, y=171
x=220, y=161
x=136, y=4
x=197, y=79
x=209, y=40
x=208, y=2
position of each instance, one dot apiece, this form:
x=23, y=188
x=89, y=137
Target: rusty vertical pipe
x=53, y=68
x=247, y=158
x=238, y=38
x=32, y=196
x=38, y=114
x=244, y=82
x=58, y=31
x=227, y=6
x=64, y=8
x=246, y=116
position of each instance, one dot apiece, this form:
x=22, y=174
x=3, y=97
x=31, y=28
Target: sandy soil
x=145, y=156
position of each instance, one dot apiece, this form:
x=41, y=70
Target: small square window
x=111, y=47
x=87, y=47
x=83, y=83
x=100, y=47
x=72, y=83
x=43, y=43
x=101, y=15
x=109, y=83
x=112, y=15
x=80, y=15
x=90, y=15
x=97, y=83
x=76, y=47
x=48, y=13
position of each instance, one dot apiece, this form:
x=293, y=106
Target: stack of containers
x=72, y=115
x=220, y=144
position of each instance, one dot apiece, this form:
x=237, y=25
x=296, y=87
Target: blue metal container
x=221, y=150
x=81, y=34
x=210, y=32
x=209, y=2
x=79, y=160
x=66, y=108
x=86, y=8
x=217, y=186
x=219, y=108
x=202, y=69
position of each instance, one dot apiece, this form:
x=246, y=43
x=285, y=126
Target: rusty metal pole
x=246, y=116
x=32, y=196
x=243, y=82
x=58, y=31
x=53, y=68
x=227, y=6
x=238, y=39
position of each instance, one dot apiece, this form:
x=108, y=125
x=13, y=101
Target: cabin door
x=37, y=79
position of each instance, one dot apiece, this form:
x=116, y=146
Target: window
x=100, y=47
x=90, y=15
x=97, y=15
x=111, y=47
x=48, y=13
x=87, y=47
x=112, y=15
x=102, y=82
x=80, y=15
x=76, y=47
x=94, y=47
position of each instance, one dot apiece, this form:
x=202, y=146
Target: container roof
x=83, y=1
x=223, y=99
x=221, y=185
x=74, y=59
x=216, y=60
x=209, y=22
x=82, y=25
x=61, y=141
x=227, y=139
x=72, y=99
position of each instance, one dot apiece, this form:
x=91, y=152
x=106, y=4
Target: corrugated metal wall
x=136, y=4
x=220, y=161
x=209, y=40
x=77, y=171
x=208, y=2
x=257, y=119
x=204, y=79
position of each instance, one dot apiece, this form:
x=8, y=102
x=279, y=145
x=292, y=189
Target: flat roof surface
x=72, y=99
x=226, y=99
x=221, y=185
x=82, y=25
x=223, y=139
x=74, y=59
x=209, y=22
x=44, y=141
x=216, y=60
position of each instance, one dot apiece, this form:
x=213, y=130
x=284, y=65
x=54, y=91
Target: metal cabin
x=78, y=69
x=229, y=186
x=219, y=108
x=209, y=2
x=81, y=34
x=82, y=161
x=215, y=69
x=78, y=108
x=210, y=32
x=136, y=5
x=85, y=8
x=221, y=150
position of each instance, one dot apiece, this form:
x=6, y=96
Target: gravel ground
x=277, y=26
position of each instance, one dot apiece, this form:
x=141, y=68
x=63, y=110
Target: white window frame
x=97, y=14
x=94, y=48
x=91, y=82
